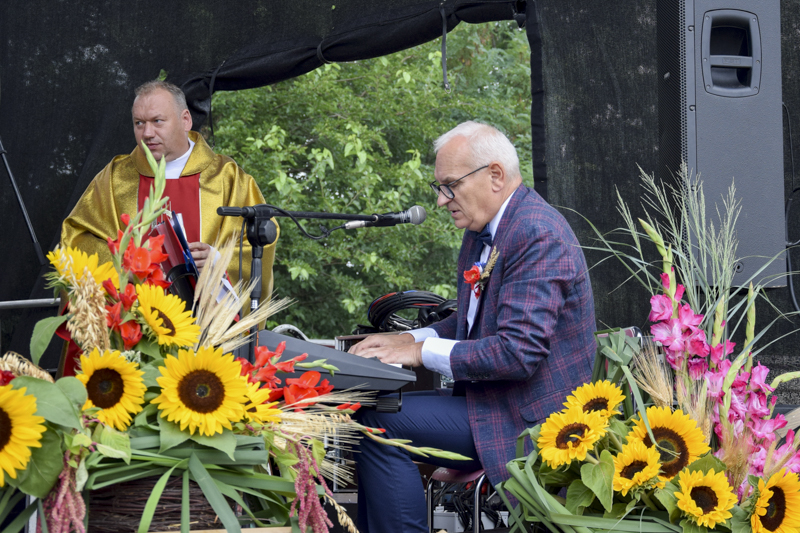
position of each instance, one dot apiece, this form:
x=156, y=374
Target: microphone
x=414, y=215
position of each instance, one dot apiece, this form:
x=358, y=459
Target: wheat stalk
x=87, y=325
x=652, y=374
x=344, y=519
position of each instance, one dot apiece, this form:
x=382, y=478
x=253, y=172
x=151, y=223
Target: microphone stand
x=36, y=245
x=261, y=232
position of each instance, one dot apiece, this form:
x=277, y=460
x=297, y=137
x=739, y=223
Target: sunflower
x=202, y=391
x=705, y=499
x=568, y=435
x=777, y=508
x=113, y=384
x=167, y=317
x=20, y=430
x=73, y=261
x=678, y=439
x=602, y=396
x=636, y=466
x=256, y=410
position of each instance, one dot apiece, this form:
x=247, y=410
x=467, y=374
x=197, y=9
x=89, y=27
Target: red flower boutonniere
x=478, y=275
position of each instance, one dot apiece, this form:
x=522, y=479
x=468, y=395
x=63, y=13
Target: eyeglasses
x=446, y=188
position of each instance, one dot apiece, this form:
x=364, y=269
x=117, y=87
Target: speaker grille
x=672, y=126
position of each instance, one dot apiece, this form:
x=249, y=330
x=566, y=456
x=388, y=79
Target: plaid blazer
x=535, y=328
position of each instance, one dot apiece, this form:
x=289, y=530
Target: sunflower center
x=776, y=510
x=201, y=391
x=166, y=323
x=672, y=449
x=705, y=498
x=632, y=469
x=570, y=434
x=595, y=404
x=5, y=429
x=105, y=388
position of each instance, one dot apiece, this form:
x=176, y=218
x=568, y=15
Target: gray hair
x=177, y=94
x=486, y=144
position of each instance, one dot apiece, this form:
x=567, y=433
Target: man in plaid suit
x=521, y=340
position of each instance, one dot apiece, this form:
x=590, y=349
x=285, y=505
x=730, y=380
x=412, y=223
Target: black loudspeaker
x=719, y=109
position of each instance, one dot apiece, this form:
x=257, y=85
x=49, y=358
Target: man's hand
x=200, y=253
x=397, y=349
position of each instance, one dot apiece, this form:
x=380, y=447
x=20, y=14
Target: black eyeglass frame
x=445, y=187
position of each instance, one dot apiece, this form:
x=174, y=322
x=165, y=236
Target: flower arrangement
x=676, y=432
x=159, y=394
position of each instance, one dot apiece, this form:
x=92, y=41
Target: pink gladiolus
x=669, y=333
x=765, y=429
x=661, y=308
x=739, y=385
x=697, y=367
x=737, y=410
x=757, y=405
x=721, y=350
x=758, y=378
x=757, y=461
x=675, y=359
x=714, y=380
x=679, y=292
x=696, y=344
x=665, y=280
x=687, y=318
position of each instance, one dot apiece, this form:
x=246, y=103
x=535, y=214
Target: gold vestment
x=114, y=191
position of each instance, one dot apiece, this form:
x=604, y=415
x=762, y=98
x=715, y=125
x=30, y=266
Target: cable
x=430, y=308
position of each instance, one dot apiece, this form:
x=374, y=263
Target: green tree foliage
x=357, y=138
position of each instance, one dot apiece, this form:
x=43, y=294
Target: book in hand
x=179, y=267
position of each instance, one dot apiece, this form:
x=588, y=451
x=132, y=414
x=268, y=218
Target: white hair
x=486, y=144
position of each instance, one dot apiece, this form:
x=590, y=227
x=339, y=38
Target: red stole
x=184, y=198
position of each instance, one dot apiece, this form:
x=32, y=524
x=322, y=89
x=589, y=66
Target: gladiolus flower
x=721, y=350
x=110, y=289
x=697, y=367
x=661, y=308
x=131, y=333
x=6, y=377
x=113, y=316
x=758, y=378
x=128, y=296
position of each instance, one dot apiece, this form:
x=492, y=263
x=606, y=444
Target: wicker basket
x=118, y=508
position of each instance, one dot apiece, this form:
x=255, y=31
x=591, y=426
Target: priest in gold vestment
x=198, y=182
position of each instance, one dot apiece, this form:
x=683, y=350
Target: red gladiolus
x=351, y=406
x=114, y=316
x=114, y=245
x=126, y=219
x=264, y=355
x=111, y=290
x=288, y=366
x=157, y=278
x=247, y=367
x=302, y=387
x=266, y=375
x=275, y=395
x=324, y=387
x=128, y=297
x=131, y=333
x=6, y=377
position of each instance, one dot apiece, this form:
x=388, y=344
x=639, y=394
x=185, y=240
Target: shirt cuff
x=422, y=334
x=436, y=355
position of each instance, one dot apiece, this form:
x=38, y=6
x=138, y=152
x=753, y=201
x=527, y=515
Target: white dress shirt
x=435, y=350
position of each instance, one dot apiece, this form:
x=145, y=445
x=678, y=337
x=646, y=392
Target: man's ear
x=497, y=175
x=186, y=118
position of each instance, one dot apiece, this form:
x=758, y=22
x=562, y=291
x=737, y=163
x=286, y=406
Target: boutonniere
x=478, y=275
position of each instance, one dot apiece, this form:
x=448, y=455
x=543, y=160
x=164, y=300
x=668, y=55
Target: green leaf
x=213, y=495
x=619, y=428
x=667, y=498
x=171, y=434
x=73, y=389
x=618, y=510
x=740, y=521
x=579, y=497
x=81, y=475
x=706, y=463
x=43, y=468
x=224, y=442
x=151, y=373
x=690, y=527
x=42, y=334
x=152, y=500
x=149, y=347
x=51, y=402
x=599, y=478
